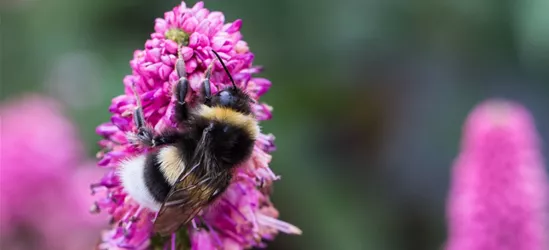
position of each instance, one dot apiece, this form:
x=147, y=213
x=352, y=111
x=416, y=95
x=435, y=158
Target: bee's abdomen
x=149, y=178
x=132, y=176
x=155, y=181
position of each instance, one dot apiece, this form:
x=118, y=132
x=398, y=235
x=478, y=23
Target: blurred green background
x=369, y=96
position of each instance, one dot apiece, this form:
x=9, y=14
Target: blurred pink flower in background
x=244, y=217
x=44, y=180
x=499, y=193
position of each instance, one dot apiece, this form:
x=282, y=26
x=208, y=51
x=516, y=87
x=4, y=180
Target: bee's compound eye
x=225, y=98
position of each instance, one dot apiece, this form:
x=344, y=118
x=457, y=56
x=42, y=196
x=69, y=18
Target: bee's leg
x=206, y=90
x=180, y=91
x=166, y=137
x=145, y=135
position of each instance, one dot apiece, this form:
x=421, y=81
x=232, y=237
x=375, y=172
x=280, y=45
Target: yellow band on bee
x=232, y=117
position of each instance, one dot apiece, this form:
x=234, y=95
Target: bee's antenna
x=224, y=67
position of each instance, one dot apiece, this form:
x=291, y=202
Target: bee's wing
x=180, y=207
x=184, y=202
x=190, y=194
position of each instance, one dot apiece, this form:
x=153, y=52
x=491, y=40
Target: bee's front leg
x=206, y=88
x=181, y=87
x=180, y=92
x=145, y=135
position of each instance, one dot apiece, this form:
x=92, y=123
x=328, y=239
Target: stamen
x=233, y=236
x=230, y=220
x=128, y=214
x=242, y=189
x=277, y=224
x=173, y=241
x=94, y=209
x=213, y=233
x=235, y=208
x=94, y=186
x=254, y=218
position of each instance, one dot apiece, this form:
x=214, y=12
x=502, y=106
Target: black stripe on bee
x=155, y=181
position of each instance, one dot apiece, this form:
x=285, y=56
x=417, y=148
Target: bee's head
x=233, y=98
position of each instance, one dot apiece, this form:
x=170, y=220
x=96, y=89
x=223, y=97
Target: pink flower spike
x=499, y=194
x=44, y=179
x=248, y=218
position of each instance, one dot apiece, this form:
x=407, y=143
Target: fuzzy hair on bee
x=191, y=165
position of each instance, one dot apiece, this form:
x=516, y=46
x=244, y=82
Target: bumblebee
x=193, y=164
